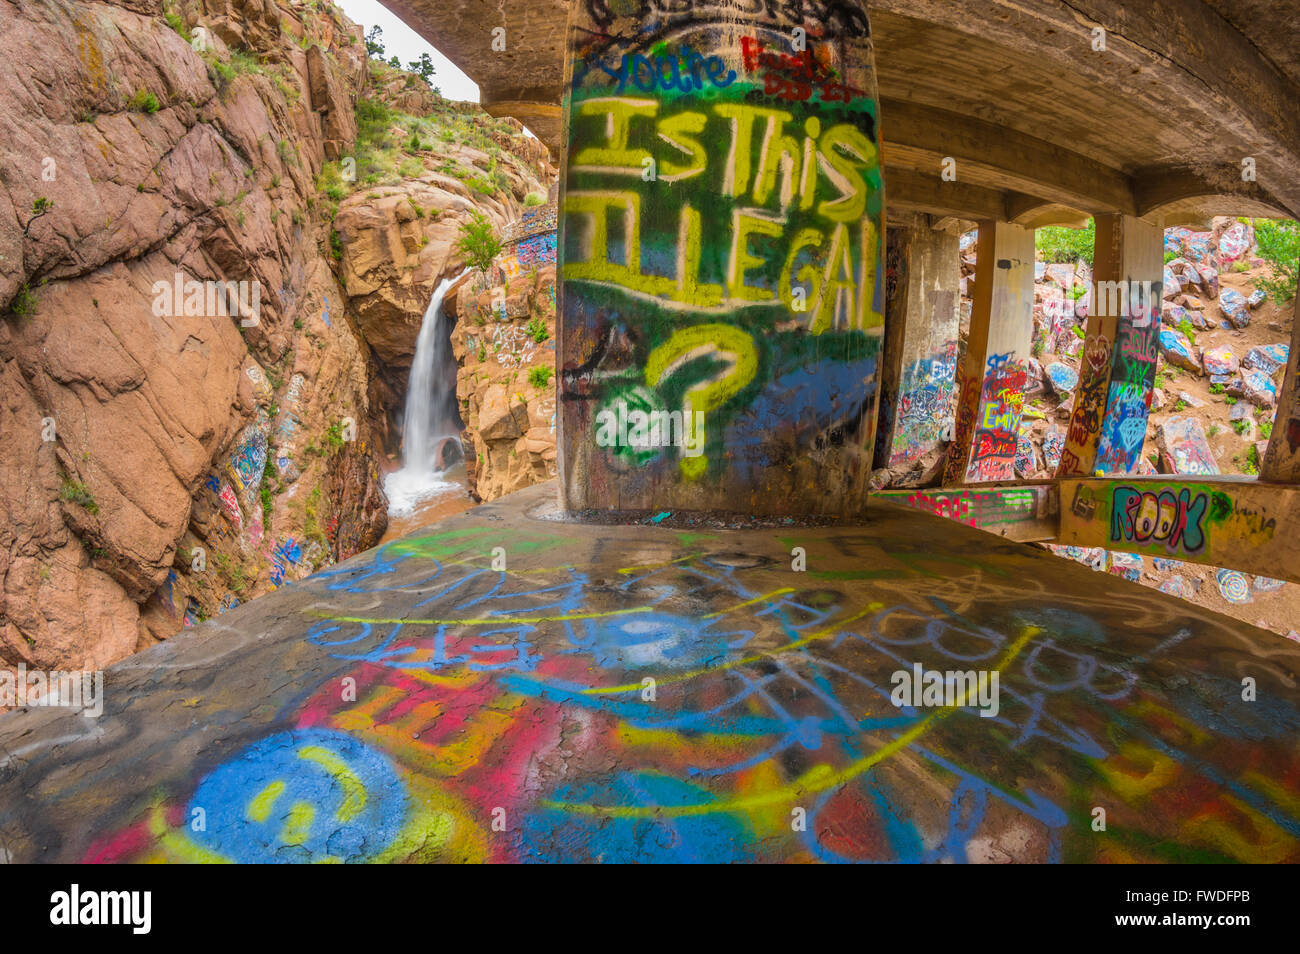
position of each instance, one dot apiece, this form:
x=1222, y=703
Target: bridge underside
x=1044, y=127
x=657, y=693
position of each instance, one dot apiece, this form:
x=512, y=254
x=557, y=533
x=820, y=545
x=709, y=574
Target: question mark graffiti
x=732, y=346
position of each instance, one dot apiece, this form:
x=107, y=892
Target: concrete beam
x=1157, y=53
x=915, y=191
x=1027, y=513
x=1031, y=212
x=1241, y=524
x=1182, y=194
x=997, y=157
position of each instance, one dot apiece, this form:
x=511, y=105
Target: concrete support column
x=991, y=380
x=919, y=368
x=1118, y=367
x=721, y=293
x=1282, y=460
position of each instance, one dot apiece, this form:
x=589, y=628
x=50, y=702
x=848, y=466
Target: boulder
x=1233, y=305
x=1062, y=378
x=1267, y=358
x=1177, y=350
x=1235, y=244
x=1183, y=447
x=1258, y=388
x=1220, y=360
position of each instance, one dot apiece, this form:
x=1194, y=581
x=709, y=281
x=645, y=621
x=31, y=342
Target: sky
x=407, y=45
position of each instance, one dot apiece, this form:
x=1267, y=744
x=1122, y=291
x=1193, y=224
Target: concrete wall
x=720, y=240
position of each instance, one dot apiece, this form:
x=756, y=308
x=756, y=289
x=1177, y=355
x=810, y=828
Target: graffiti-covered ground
x=642, y=693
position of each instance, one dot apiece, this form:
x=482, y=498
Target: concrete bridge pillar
x=1118, y=370
x=991, y=377
x=1282, y=460
x=721, y=290
x=919, y=367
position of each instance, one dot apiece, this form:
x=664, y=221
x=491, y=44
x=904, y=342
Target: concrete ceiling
x=1043, y=128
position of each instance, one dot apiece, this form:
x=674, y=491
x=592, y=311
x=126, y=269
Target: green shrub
x=537, y=330
x=540, y=376
x=176, y=23
x=1279, y=246
x=74, y=491
x=1252, y=461
x=23, y=303
x=144, y=102
x=1070, y=246
x=477, y=242
x=534, y=198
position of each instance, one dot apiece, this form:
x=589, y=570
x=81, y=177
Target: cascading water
x=431, y=426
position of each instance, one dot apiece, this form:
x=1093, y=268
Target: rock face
x=504, y=345
x=164, y=452
x=504, y=342
x=398, y=237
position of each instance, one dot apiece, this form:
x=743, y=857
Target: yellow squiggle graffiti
x=733, y=345
x=817, y=779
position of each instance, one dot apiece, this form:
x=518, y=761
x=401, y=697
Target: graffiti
x=1176, y=519
x=924, y=404
x=1053, y=448
x=230, y=507
x=997, y=424
x=722, y=252
x=1186, y=449
x=1132, y=382
x=1233, y=586
x=474, y=694
x=248, y=461
x=293, y=397
x=795, y=77
x=286, y=554
x=1127, y=565
x=1216, y=524
x=509, y=341
x=987, y=509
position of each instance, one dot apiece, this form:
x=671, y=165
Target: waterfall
x=431, y=425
